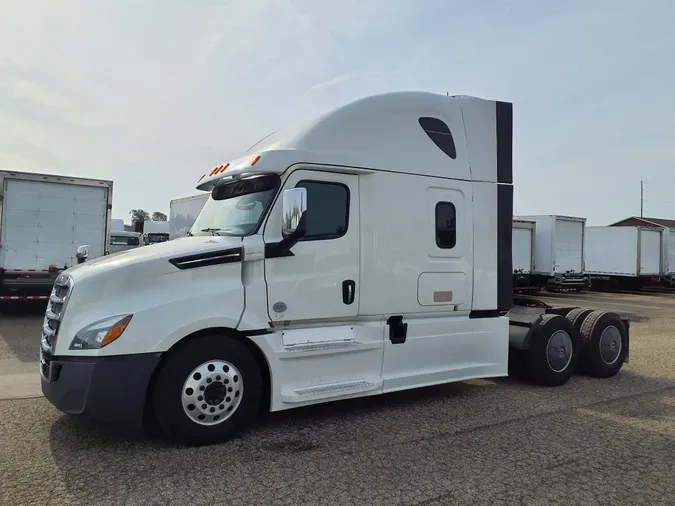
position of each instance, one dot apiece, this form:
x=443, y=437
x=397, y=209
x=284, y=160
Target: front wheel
x=206, y=390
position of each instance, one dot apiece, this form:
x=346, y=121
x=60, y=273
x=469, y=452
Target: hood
x=152, y=259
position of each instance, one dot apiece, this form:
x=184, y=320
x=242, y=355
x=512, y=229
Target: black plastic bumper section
x=108, y=389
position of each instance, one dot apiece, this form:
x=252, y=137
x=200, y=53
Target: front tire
x=206, y=390
x=554, y=351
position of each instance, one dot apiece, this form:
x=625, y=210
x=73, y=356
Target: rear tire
x=604, y=343
x=577, y=317
x=554, y=351
x=206, y=390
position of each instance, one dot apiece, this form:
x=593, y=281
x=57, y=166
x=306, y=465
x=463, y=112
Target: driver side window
x=328, y=210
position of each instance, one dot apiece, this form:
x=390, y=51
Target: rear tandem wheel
x=604, y=344
x=577, y=317
x=554, y=351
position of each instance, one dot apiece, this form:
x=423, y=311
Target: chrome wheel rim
x=212, y=392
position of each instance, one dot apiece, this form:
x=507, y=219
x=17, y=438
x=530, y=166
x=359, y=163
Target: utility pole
x=642, y=198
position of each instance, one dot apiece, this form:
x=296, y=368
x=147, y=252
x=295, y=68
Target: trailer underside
x=26, y=284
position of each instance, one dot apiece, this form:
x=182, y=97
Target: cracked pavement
x=480, y=442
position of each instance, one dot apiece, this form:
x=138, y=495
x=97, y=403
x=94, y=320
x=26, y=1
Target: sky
x=151, y=94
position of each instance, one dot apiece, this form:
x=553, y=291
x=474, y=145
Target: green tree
x=157, y=216
x=139, y=215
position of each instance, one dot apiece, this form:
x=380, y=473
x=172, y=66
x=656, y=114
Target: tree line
x=142, y=215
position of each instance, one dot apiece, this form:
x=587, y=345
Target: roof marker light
x=255, y=160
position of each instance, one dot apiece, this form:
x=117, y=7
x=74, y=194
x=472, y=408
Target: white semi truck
x=365, y=252
x=43, y=219
x=183, y=212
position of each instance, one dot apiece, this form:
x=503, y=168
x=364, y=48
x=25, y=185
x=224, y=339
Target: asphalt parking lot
x=482, y=442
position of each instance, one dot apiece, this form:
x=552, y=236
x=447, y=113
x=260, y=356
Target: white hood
x=153, y=259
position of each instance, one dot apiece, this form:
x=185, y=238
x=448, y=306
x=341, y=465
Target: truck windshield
x=237, y=207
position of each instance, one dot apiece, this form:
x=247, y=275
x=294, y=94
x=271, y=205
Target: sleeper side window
x=327, y=209
x=446, y=225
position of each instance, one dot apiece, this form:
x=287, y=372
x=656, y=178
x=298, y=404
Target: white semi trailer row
x=43, y=220
x=570, y=255
x=369, y=251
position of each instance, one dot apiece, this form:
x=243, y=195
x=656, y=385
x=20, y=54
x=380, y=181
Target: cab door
x=319, y=278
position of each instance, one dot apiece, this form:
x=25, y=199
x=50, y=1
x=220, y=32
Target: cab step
x=310, y=393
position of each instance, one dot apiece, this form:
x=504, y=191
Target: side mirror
x=293, y=220
x=82, y=253
x=294, y=209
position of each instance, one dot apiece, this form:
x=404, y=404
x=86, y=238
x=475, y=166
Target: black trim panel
x=504, y=124
x=258, y=332
x=486, y=313
x=504, y=251
x=109, y=389
x=273, y=250
x=224, y=256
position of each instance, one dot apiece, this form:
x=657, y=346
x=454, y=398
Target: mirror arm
x=287, y=243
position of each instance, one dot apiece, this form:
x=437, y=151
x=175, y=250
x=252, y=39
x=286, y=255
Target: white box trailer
x=613, y=253
x=183, y=213
x=43, y=220
x=559, y=250
x=522, y=247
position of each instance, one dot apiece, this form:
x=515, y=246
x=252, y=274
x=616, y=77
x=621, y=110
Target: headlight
x=101, y=333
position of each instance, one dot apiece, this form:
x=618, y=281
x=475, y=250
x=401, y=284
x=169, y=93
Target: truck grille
x=54, y=313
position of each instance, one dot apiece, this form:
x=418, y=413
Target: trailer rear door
x=650, y=252
x=669, y=240
x=43, y=223
x=522, y=250
x=568, y=245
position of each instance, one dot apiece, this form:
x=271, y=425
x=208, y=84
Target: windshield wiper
x=212, y=230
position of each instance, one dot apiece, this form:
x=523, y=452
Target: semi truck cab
x=364, y=252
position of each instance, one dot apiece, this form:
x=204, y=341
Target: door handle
x=348, y=291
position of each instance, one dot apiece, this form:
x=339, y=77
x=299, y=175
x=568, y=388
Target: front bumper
x=109, y=389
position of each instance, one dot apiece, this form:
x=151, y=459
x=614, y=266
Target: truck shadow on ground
x=343, y=430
